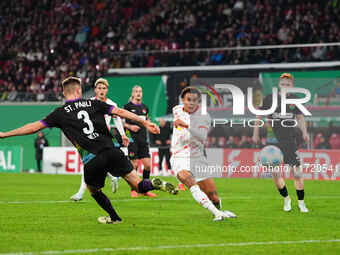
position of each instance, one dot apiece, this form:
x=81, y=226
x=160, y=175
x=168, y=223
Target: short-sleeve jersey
x=143, y=112
x=107, y=116
x=83, y=123
x=286, y=131
x=183, y=143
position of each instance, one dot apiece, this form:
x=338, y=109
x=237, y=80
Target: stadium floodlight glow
x=239, y=100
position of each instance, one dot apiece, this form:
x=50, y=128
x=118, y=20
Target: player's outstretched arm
x=24, y=130
x=201, y=132
x=119, y=125
x=153, y=128
x=180, y=123
x=302, y=125
x=133, y=128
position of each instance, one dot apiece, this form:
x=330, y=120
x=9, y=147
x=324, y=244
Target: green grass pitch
x=36, y=217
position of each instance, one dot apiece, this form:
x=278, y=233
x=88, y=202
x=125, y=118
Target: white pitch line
x=38, y=202
x=113, y=200
x=162, y=247
x=150, y=200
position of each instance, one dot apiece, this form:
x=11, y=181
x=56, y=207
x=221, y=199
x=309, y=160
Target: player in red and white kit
x=101, y=88
x=188, y=153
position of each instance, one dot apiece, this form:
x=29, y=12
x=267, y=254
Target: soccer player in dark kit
x=83, y=122
x=286, y=136
x=139, y=148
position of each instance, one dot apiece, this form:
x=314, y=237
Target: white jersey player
x=101, y=89
x=188, y=154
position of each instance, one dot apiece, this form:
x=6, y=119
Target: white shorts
x=190, y=164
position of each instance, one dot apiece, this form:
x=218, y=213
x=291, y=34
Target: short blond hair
x=287, y=76
x=71, y=81
x=102, y=81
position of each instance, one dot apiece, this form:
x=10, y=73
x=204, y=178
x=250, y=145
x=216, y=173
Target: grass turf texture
x=47, y=221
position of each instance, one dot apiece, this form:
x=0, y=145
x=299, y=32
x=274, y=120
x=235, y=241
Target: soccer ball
x=271, y=156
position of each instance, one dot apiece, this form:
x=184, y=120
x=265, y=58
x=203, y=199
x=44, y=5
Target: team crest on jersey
x=144, y=111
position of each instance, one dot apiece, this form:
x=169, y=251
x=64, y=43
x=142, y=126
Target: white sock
x=82, y=188
x=203, y=199
x=110, y=176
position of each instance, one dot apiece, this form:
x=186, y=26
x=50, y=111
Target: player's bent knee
x=298, y=173
x=132, y=179
x=134, y=163
x=93, y=190
x=182, y=175
x=146, y=163
x=277, y=175
x=186, y=178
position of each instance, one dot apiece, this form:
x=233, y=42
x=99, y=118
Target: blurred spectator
x=3, y=94
x=250, y=142
x=336, y=90
x=41, y=95
x=221, y=142
x=317, y=140
x=319, y=53
x=39, y=144
x=263, y=142
x=334, y=141
x=59, y=39
x=323, y=144
x=283, y=33
x=86, y=38
x=231, y=143
x=12, y=95
x=244, y=143
x=213, y=142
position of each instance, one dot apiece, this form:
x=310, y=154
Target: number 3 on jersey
x=83, y=115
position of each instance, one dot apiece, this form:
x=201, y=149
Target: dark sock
x=145, y=186
x=146, y=174
x=300, y=194
x=105, y=203
x=283, y=191
x=217, y=205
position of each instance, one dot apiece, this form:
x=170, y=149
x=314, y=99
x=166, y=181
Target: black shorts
x=138, y=149
x=113, y=161
x=290, y=153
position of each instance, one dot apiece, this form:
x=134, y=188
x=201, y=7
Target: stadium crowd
x=246, y=142
x=44, y=41
x=232, y=138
